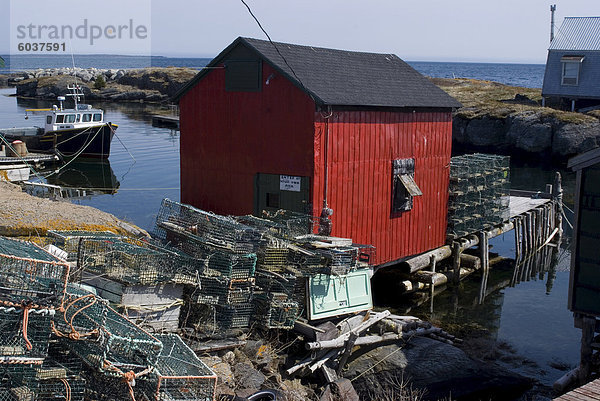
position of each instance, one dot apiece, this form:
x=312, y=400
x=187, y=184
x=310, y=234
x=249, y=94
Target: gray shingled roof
x=577, y=33
x=348, y=78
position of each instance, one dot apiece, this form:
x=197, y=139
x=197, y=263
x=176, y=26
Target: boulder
x=527, y=132
x=247, y=377
x=432, y=366
x=571, y=139
x=486, y=132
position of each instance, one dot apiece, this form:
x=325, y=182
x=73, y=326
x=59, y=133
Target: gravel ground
x=24, y=215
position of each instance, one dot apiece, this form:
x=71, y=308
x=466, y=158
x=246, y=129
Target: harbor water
x=527, y=325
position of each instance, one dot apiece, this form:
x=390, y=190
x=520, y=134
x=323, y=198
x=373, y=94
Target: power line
x=276, y=48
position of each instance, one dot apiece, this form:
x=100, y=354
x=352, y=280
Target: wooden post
x=456, y=261
x=349, y=345
x=517, y=223
x=557, y=196
x=432, y=262
x=484, y=255
x=588, y=328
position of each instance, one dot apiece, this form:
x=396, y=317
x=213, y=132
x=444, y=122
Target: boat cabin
x=83, y=116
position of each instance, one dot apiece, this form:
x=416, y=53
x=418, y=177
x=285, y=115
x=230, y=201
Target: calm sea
x=526, y=75
x=143, y=168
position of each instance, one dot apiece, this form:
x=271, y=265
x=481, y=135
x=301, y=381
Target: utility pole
x=552, y=10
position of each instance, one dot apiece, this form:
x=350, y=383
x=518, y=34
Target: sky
x=514, y=31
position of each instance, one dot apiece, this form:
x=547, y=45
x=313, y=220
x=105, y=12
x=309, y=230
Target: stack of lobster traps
x=478, y=194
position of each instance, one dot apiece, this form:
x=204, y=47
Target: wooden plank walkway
x=165, y=121
x=519, y=205
x=588, y=392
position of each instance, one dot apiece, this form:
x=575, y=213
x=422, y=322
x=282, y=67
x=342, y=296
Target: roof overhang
x=584, y=160
x=572, y=59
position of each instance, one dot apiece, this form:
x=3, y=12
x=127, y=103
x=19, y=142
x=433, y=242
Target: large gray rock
x=527, y=132
x=486, y=132
x=439, y=368
x=571, y=139
x=247, y=377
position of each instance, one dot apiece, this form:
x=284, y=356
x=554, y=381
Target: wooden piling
x=557, y=197
x=456, y=261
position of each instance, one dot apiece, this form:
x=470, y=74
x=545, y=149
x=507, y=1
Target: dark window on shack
x=404, y=187
x=243, y=76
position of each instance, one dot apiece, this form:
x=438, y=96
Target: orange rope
x=129, y=377
x=67, y=389
x=26, y=309
x=74, y=334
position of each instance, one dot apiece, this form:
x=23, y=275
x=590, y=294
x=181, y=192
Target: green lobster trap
x=179, y=375
x=178, y=224
x=30, y=275
x=24, y=334
x=127, y=262
x=108, y=342
x=478, y=193
x=275, y=311
x=222, y=290
x=70, y=240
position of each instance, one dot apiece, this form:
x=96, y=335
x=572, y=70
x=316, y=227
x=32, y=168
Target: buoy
x=20, y=148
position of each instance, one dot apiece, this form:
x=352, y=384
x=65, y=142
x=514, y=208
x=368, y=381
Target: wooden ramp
x=590, y=391
x=519, y=205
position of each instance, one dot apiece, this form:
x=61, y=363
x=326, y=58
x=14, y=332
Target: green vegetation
x=495, y=100
x=2, y=63
x=99, y=83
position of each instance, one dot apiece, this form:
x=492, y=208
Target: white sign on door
x=289, y=183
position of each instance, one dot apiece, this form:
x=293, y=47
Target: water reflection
x=96, y=176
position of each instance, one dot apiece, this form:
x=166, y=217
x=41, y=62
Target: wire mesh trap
x=478, y=193
x=216, y=261
x=179, y=374
x=275, y=311
x=126, y=262
x=114, y=344
x=30, y=275
x=177, y=223
x=69, y=240
x=24, y=334
x=221, y=291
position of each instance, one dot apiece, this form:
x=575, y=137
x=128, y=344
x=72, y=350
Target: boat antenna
x=75, y=91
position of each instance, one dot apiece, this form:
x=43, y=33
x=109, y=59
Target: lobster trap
x=215, y=261
x=24, y=334
x=179, y=374
x=293, y=224
x=177, y=224
x=478, y=193
x=127, y=262
x=70, y=240
x=272, y=258
x=284, y=283
x=30, y=275
x=222, y=291
x=275, y=311
x=111, y=343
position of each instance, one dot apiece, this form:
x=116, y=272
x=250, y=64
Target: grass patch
x=495, y=100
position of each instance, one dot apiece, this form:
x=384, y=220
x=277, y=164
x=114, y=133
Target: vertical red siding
x=362, y=145
x=228, y=137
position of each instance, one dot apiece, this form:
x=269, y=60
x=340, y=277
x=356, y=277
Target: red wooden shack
x=275, y=125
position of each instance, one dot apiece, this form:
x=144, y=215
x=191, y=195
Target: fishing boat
x=68, y=133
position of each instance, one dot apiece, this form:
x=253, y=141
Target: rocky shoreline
x=116, y=85
x=497, y=118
